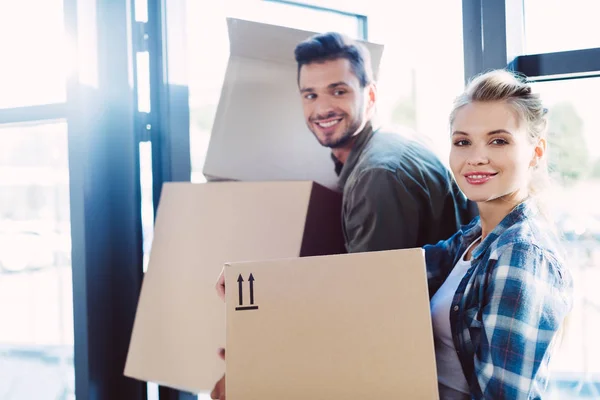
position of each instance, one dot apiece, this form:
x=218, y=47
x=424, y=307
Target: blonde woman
x=499, y=288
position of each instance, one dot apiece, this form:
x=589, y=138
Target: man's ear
x=371, y=91
x=372, y=94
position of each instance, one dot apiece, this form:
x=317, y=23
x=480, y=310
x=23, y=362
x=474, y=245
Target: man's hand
x=220, y=286
x=218, y=392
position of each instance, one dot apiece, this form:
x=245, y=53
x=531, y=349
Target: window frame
x=44, y=112
x=362, y=20
x=103, y=133
x=493, y=37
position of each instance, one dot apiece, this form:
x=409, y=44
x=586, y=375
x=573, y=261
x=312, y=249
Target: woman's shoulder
x=532, y=245
x=531, y=233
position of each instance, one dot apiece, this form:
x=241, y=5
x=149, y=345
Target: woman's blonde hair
x=503, y=85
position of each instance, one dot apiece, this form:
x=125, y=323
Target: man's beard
x=346, y=137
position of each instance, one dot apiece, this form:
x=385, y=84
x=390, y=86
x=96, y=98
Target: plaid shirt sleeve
x=441, y=257
x=525, y=303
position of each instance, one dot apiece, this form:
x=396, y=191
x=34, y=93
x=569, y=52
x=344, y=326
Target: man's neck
x=342, y=153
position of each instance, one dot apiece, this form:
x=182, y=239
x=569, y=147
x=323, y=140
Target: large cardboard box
x=354, y=326
x=180, y=321
x=259, y=133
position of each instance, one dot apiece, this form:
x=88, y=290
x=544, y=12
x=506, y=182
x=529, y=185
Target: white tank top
x=451, y=379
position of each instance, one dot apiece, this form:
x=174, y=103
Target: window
x=33, y=67
x=555, y=25
x=208, y=51
x=36, y=310
x=574, y=156
x=421, y=71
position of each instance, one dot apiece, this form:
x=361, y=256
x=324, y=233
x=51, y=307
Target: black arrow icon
x=240, y=283
x=251, y=280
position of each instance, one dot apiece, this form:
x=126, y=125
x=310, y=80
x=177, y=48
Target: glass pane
x=558, y=25
x=574, y=156
x=143, y=81
x=33, y=67
x=420, y=76
x=147, y=204
x=36, y=308
x=293, y=16
x=141, y=10
x=207, y=35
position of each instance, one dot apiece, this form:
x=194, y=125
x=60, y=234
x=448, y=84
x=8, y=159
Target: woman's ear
x=538, y=152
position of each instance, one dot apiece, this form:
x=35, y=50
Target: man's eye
x=339, y=92
x=310, y=96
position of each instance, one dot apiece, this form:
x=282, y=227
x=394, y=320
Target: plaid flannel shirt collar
x=524, y=210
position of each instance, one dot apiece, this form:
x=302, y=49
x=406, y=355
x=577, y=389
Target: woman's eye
x=499, y=141
x=462, y=142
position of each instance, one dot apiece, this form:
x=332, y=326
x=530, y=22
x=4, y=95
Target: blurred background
x=103, y=101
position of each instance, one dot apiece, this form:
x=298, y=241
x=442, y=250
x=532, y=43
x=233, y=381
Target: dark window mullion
x=105, y=198
x=585, y=63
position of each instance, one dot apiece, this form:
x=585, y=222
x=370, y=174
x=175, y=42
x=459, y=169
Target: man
x=396, y=192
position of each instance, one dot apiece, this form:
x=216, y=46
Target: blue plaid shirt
x=509, y=305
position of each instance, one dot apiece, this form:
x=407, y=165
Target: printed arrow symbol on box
x=251, y=280
x=240, y=283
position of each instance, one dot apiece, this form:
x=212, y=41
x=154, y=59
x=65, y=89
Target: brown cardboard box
x=259, y=136
x=259, y=132
x=180, y=321
x=354, y=326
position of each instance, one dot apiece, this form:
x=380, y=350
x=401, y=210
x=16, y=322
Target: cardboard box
x=259, y=132
x=259, y=135
x=180, y=321
x=354, y=326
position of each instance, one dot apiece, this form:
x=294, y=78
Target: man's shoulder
x=401, y=154
x=398, y=148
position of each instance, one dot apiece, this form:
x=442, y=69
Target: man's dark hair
x=332, y=46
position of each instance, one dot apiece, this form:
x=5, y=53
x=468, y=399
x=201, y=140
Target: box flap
x=180, y=321
x=259, y=132
x=354, y=326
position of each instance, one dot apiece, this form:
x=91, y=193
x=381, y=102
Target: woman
x=500, y=291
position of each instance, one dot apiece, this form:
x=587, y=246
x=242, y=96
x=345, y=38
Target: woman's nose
x=478, y=157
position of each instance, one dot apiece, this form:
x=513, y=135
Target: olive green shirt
x=397, y=194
